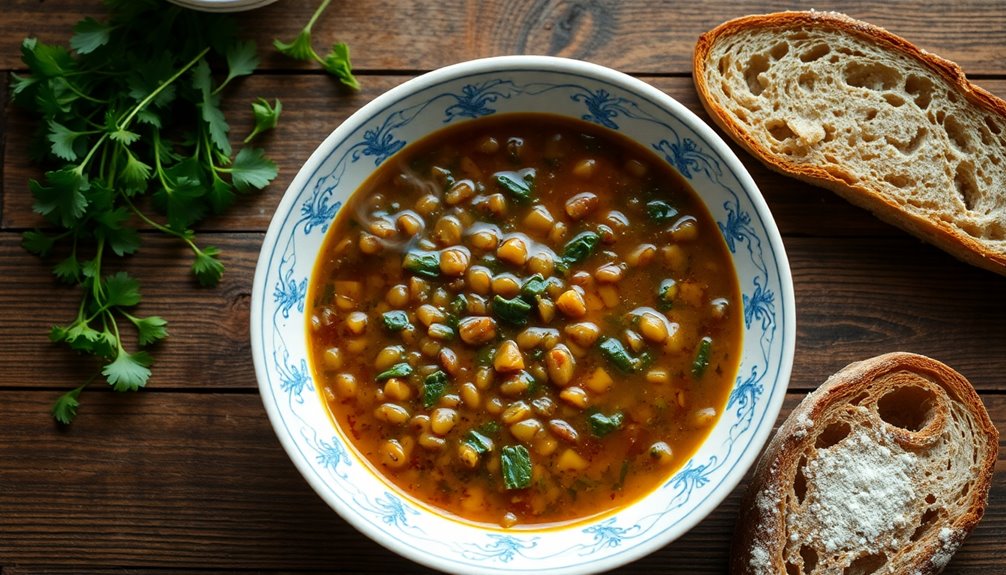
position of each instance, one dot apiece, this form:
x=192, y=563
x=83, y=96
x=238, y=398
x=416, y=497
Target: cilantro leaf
x=122, y=241
x=111, y=218
x=266, y=117
x=181, y=196
x=182, y=203
x=251, y=169
x=207, y=267
x=100, y=104
x=100, y=199
x=65, y=408
x=210, y=107
x=121, y=290
x=337, y=64
x=220, y=195
x=62, y=140
x=62, y=201
x=37, y=242
x=123, y=136
x=80, y=336
x=148, y=76
x=149, y=117
x=54, y=99
x=68, y=270
x=89, y=35
x=241, y=60
x=299, y=49
x=90, y=268
x=22, y=89
x=134, y=173
x=129, y=371
x=150, y=329
x=45, y=59
x=216, y=123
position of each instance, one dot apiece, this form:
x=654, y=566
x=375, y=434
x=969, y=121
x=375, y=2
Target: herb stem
x=102, y=163
x=161, y=227
x=317, y=13
x=83, y=95
x=157, y=164
x=115, y=329
x=80, y=310
x=150, y=97
x=80, y=167
x=96, y=289
x=150, y=222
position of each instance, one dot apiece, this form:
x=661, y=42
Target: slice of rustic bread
x=883, y=469
x=853, y=108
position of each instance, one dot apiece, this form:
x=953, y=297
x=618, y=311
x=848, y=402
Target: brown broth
x=442, y=195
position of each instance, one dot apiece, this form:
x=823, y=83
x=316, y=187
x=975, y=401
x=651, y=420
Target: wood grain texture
x=208, y=346
x=855, y=298
x=635, y=36
x=209, y=487
x=313, y=106
x=187, y=476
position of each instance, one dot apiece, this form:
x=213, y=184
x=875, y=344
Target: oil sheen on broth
x=524, y=319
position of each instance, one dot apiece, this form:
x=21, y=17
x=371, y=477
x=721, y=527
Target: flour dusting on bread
x=861, y=490
x=884, y=469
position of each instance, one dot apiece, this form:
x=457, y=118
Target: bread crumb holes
x=921, y=89
x=832, y=434
x=756, y=66
x=779, y=130
x=800, y=481
x=872, y=76
x=927, y=521
x=866, y=564
x=815, y=53
x=966, y=184
x=809, y=556
x=957, y=133
x=908, y=408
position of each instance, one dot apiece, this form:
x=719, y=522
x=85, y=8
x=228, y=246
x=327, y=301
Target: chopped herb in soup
x=525, y=319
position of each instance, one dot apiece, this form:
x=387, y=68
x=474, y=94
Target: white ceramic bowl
x=222, y=5
x=456, y=94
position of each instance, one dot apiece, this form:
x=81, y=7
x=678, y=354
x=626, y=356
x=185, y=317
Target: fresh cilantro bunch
x=133, y=110
x=336, y=61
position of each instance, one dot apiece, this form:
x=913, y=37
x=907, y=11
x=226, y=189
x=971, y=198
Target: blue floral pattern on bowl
x=520, y=84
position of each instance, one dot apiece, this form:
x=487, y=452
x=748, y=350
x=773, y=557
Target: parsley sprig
x=336, y=61
x=130, y=118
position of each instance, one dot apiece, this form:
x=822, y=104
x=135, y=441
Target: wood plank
x=860, y=297
x=208, y=345
x=198, y=481
x=855, y=298
x=314, y=106
x=388, y=35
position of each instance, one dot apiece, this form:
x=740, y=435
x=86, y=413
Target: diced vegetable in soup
x=525, y=319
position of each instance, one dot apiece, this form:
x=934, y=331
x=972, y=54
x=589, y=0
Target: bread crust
x=764, y=526
x=960, y=245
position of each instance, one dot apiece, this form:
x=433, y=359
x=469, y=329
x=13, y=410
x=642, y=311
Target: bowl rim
x=563, y=66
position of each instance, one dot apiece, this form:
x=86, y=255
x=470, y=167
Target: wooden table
x=188, y=475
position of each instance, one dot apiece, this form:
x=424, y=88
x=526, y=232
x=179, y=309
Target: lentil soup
x=524, y=319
